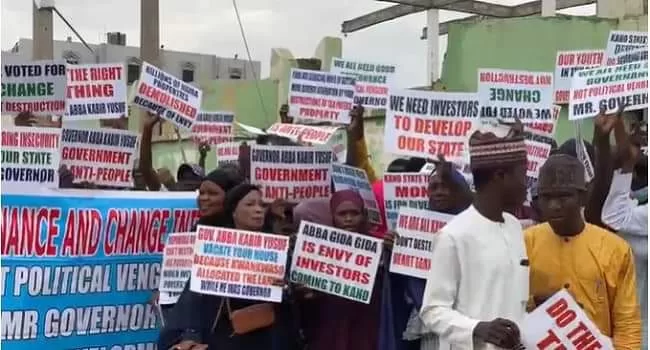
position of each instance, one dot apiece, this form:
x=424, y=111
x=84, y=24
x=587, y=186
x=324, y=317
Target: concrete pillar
x=150, y=31
x=548, y=8
x=433, y=46
x=43, y=33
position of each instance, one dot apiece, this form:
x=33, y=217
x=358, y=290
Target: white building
x=184, y=65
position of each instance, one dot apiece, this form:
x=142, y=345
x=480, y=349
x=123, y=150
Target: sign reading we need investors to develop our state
x=213, y=128
x=408, y=190
x=96, y=91
x=321, y=96
x=609, y=87
x=30, y=156
x=336, y=261
x=506, y=94
x=429, y=123
x=569, y=62
x=177, y=261
x=37, y=87
x=372, y=81
x=238, y=264
x=413, y=245
x=164, y=95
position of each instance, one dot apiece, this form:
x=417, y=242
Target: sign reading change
x=37, y=87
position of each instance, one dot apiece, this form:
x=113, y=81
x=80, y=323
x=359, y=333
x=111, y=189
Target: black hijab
x=227, y=179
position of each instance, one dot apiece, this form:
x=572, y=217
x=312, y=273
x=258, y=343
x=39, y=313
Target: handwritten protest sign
x=291, y=173
x=171, y=98
x=560, y=323
x=320, y=96
x=569, y=62
x=37, y=87
x=96, y=91
x=335, y=261
x=621, y=44
x=227, y=153
x=213, y=128
x=506, y=94
x=177, y=261
x=413, y=246
x=100, y=156
x=538, y=153
x=608, y=87
x=371, y=81
x=420, y=123
x=346, y=177
x=238, y=264
x=409, y=190
x=70, y=257
x=30, y=156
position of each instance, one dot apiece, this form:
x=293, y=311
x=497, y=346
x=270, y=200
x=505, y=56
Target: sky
x=210, y=27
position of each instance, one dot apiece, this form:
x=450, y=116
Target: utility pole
x=42, y=31
x=150, y=31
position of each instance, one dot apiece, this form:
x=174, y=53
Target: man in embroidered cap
x=477, y=288
x=593, y=264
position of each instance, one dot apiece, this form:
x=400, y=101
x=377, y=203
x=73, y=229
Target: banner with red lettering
x=336, y=261
x=238, y=264
x=560, y=323
x=100, y=156
x=320, y=96
x=213, y=128
x=538, y=153
x=428, y=123
x=346, y=177
x=30, y=156
x=167, y=96
x=569, y=62
x=305, y=134
x=409, y=190
x=227, y=153
x=543, y=127
x=416, y=232
x=292, y=173
x=372, y=81
x=96, y=91
x=177, y=261
x=37, y=86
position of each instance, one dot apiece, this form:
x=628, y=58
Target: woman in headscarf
x=205, y=320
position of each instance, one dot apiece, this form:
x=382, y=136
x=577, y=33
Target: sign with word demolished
x=336, y=261
x=506, y=94
x=30, y=157
x=569, y=62
x=560, y=323
x=609, y=87
x=423, y=123
x=227, y=153
x=320, y=96
x=372, y=81
x=414, y=242
x=346, y=177
x=173, y=99
x=291, y=173
x=620, y=44
x=238, y=264
x=305, y=134
x=213, y=128
x=79, y=266
x=37, y=87
x=96, y=91
x=177, y=261
x=100, y=156
x=409, y=190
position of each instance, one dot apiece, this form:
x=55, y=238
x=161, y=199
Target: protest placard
x=569, y=62
x=177, y=261
x=409, y=190
x=621, y=44
x=428, y=168
x=320, y=96
x=336, y=261
x=538, y=153
x=37, y=87
x=413, y=245
x=227, y=153
x=560, y=323
x=213, y=128
x=338, y=143
x=73, y=256
x=608, y=88
x=506, y=94
x=346, y=177
x=545, y=128
x=238, y=264
x=428, y=123
x=372, y=81
x=291, y=173
x=96, y=91
x=30, y=156
x=171, y=98
x=100, y=156
x=305, y=134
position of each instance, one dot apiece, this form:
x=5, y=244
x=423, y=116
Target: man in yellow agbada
x=593, y=264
